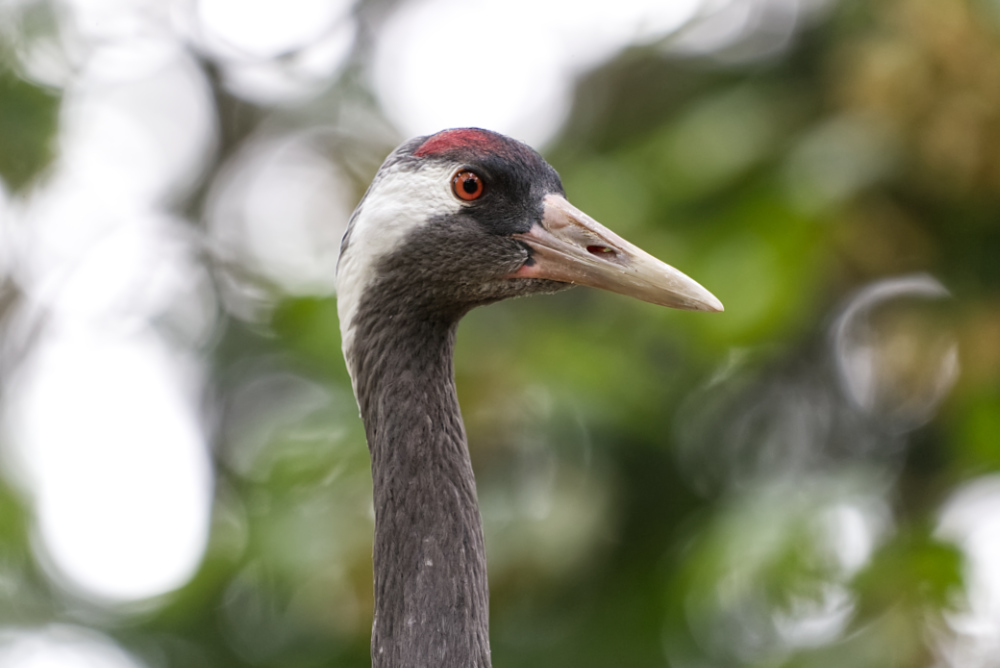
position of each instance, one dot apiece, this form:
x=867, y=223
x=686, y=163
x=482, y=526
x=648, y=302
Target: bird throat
x=431, y=593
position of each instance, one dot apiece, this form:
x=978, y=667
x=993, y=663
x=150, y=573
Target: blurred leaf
x=977, y=429
x=311, y=330
x=28, y=123
x=912, y=570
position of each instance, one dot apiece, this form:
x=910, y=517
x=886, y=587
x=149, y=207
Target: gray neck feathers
x=431, y=593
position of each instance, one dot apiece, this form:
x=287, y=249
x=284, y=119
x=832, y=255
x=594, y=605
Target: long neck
x=431, y=594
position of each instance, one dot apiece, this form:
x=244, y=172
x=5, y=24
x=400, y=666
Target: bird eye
x=467, y=185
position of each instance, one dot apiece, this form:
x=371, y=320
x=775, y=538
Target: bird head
x=466, y=217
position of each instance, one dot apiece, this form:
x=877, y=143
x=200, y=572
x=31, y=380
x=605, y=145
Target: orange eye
x=467, y=185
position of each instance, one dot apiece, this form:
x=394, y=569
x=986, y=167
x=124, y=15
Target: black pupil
x=470, y=184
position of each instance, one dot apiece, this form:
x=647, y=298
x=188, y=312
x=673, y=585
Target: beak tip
x=708, y=302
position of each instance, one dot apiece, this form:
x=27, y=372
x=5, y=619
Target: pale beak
x=572, y=247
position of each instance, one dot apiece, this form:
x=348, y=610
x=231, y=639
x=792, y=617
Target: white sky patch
x=272, y=52
x=115, y=461
x=138, y=122
x=438, y=65
x=588, y=33
x=511, y=66
x=269, y=28
x=971, y=520
x=61, y=647
x=100, y=419
x=124, y=266
x=293, y=79
x=280, y=208
x=106, y=21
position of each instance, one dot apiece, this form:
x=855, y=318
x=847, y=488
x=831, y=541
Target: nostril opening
x=600, y=251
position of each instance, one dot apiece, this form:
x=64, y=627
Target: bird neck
x=431, y=593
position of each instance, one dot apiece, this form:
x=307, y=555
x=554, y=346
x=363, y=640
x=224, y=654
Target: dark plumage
x=416, y=257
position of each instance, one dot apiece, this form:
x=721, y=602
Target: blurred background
x=811, y=479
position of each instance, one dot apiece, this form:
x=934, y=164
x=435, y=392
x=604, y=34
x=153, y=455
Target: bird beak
x=572, y=247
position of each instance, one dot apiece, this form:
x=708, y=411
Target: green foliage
x=28, y=117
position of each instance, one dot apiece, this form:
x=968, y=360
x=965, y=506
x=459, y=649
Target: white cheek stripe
x=400, y=201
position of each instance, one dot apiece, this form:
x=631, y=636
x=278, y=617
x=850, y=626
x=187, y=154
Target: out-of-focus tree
x=807, y=480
